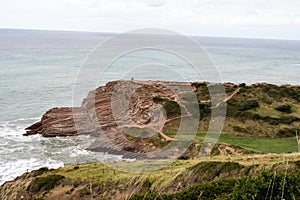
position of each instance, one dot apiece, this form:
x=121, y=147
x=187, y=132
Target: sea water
x=38, y=71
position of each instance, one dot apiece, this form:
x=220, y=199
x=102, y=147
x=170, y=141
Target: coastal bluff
x=119, y=110
x=60, y=121
x=145, y=116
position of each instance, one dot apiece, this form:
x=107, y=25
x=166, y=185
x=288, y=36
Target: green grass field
x=265, y=145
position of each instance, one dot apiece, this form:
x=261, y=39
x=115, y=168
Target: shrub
x=274, y=94
x=238, y=129
x=247, y=188
x=287, y=132
x=288, y=119
x=267, y=186
x=204, y=109
x=157, y=99
x=147, y=184
x=282, y=120
x=242, y=85
x=40, y=171
x=44, y=183
x=172, y=108
x=215, y=190
x=184, y=157
x=197, y=84
x=76, y=167
x=284, y=108
x=250, y=104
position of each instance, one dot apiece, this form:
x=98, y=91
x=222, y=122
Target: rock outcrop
x=109, y=111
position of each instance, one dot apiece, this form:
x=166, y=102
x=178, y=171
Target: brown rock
x=104, y=113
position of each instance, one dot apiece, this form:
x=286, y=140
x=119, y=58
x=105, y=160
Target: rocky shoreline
x=102, y=114
x=132, y=118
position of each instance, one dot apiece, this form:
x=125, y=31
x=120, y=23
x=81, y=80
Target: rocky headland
x=143, y=116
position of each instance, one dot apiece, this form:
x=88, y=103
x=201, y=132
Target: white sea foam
x=19, y=154
x=14, y=167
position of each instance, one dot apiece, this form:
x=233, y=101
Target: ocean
x=39, y=69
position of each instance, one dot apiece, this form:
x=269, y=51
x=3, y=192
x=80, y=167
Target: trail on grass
x=227, y=98
x=160, y=122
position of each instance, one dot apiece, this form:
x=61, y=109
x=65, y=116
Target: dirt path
x=227, y=98
x=160, y=122
x=156, y=126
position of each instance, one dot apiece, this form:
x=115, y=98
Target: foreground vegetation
x=270, y=176
x=264, y=186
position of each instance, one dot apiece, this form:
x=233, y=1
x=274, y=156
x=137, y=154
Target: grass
x=80, y=178
x=44, y=183
x=101, y=173
x=265, y=145
x=147, y=135
x=259, y=144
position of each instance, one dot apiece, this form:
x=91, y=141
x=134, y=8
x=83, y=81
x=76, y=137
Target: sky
x=274, y=19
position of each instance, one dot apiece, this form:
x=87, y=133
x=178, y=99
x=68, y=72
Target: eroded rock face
x=58, y=122
x=106, y=111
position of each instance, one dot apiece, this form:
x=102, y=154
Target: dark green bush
x=282, y=120
x=219, y=189
x=172, y=108
x=238, y=129
x=210, y=170
x=284, y=108
x=158, y=99
x=287, y=132
x=204, y=109
x=44, y=183
x=40, y=171
x=199, y=84
x=183, y=157
x=265, y=186
x=147, y=184
x=274, y=93
x=250, y=104
x=76, y=167
x=242, y=85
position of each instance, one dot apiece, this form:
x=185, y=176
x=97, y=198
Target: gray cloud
x=204, y=17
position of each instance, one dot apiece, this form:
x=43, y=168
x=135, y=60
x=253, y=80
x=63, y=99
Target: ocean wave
x=11, y=169
x=19, y=154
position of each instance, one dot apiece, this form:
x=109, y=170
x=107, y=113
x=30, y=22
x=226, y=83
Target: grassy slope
x=261, y=128
x=100, y=182
x=264, y=145
x=268, y=121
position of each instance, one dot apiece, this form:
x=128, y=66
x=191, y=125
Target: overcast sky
x=229, y=18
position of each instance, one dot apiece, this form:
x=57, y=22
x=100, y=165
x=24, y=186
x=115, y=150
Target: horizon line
x=115, y=33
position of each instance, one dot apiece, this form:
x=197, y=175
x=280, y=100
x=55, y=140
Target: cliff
x=143, y=116
x=116, y=111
